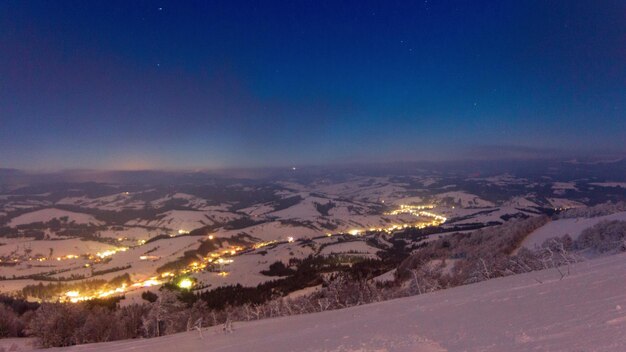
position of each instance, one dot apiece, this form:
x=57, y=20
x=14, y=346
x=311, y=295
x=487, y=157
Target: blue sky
x=177, y=84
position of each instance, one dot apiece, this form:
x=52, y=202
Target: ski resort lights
x=290, y=239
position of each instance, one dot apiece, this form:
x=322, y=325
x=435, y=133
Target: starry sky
x=212, y=84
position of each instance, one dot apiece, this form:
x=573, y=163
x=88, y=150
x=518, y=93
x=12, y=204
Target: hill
x=585, y=311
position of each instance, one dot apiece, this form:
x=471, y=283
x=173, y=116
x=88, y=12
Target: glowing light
x=417, y=210
x=290, y=239
x=263, y=244
x=354, y=232
x=211, y=237
x=105, y=254
x=151, y=282
x=185, y=283
x=110, y=252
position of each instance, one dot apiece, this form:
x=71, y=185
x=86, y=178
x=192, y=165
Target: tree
x=165, y=315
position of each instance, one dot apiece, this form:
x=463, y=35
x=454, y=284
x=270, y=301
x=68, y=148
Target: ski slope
x=586, y=311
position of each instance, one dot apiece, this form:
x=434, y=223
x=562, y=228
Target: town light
x=185, y=283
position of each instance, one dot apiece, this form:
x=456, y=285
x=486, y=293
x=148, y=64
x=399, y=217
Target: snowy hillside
x=45, y=215
x=586, y=311
x=56, y=231
x=572, y=227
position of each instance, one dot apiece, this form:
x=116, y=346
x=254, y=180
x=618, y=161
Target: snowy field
x=586, y=311
x=45, y=215
x=561, y=227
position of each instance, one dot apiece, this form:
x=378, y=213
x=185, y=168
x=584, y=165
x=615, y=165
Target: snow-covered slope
x=572, y=227
x=586, y=311
x=45, y=215
x=463, y=199
x=185, y=220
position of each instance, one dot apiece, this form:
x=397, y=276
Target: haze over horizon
x=172, y=85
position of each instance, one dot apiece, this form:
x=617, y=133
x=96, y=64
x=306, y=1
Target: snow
x=10, y=286
x=386, y=277
x=132, y=234
x=60, y=248
x=563, y=186
x=115, y=202
x=192, y=201
x=520, y=202
x=503, y=180
x=17, y=344
x=371, y=189
x=353, y=247
x=609, y=184
x=561, y=227
x=483, y=215
x=246, y=268
x=270, y=231
x=582, y=312
x=45, y=215
x=564, y=203
x=464, y=199
x=304, y=292
x=166, y=250
x=186, y=220
x=409, y=200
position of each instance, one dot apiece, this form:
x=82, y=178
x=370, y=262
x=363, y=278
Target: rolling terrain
x=585, y=311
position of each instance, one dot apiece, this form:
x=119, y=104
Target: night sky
x=136, y=84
